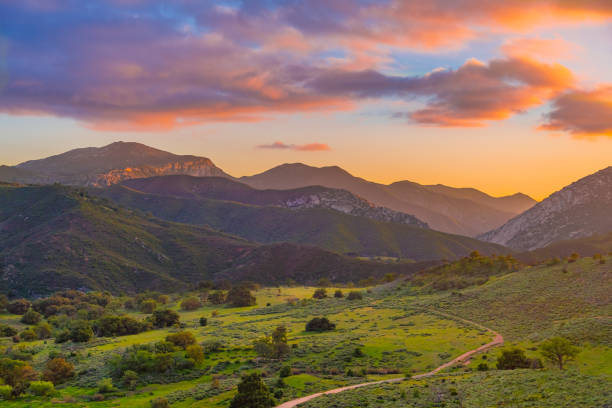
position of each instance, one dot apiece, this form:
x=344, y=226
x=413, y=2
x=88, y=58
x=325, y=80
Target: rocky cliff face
x=104, y=166
x=348, y=203
x=579, y=210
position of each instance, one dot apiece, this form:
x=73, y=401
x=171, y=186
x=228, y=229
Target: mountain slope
x=108, y=165
x=56, y=237
x=323, y=227
x=578, y=210
x=307, y=197
x=460, y=211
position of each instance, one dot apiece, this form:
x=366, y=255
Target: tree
x=164, y=318
x=58, y=370
x=148, y=306
x=240, y=296
x=43, y=330
x=338, y=294
x=320, y=324
x=354, y=295
x=181, y=339
x=320, y=293
x=191, y=303
x=19, y=306
x=203, y=321
x=28, y=335
x=41, y=388
x=511, y=359
x=558, y=350
x=31, y=317
x=195, y=352
x=274, y=346
x=18, y=374
x=252, y=393
x=216, y=298
x=81, y=332
x=160, y=402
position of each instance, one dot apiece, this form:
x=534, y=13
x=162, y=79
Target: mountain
x=103, y=166
x=57, y=237
x=578, y=210
x=183, y=199
x=306, y=197
x=460, y=211
x=585, y=247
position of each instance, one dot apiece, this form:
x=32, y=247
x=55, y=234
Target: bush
x=217, y=298
x=160, y=402
x=191, y=303
x=130, y=379
x=105, y=386
x=164, y=318
x=240, y=296
x=112, y=326
x=41, y=388
x=181, y=339
x=512, y=359
x=338, y=294
x=7, y=331
x=43, y=330
x=31, y=317
x=252, y=393
x=320, y=293
x=285, y=371
x=483, y=367
x=28, y=335
x=19, y=306
x=203, y=321
x=148, y=306
x=17, y=374
x=354, y=295
x=58, y=370
x=195, y=352
x=6, y=392
x=320, y=325
x=81, y=332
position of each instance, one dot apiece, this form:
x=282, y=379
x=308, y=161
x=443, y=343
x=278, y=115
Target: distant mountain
x=579, y=210
x=240, y=210
x=306, y=197
x=57, y=237
x=585, y=247
x=460, y=211
x=103, y=166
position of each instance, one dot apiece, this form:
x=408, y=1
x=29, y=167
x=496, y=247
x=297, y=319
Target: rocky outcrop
x=579, y=210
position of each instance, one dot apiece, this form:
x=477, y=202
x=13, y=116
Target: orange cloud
x=582, y=113
x=540, y=48
x=310, y=147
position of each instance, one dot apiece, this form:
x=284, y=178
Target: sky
x=501, y=96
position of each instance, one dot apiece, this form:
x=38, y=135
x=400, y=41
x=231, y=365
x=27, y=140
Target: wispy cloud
x=309, y=147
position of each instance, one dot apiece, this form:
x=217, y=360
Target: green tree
x=41, y=388
x=252, y=393
x=320, y=324
x=191, y=303
x=558, y=350
x=338, y=294
x=148, y=306
x=320, y=293
x=31, y=317
x=511, y=359
x=195, y=352
x=181, y=339
x=274, y=346
x=164, y=318
x=19, y=306
x=240, y=296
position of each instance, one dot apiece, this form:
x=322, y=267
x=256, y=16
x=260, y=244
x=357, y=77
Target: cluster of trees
x=17, y=377
x=321, y=293
x=556, y=350
x=274, y=346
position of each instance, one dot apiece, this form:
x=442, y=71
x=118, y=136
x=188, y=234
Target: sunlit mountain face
x=500, y=96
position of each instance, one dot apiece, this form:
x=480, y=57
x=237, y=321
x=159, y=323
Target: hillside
x=103, y=166
x=461, y=211
x=578, y=210
x=219, y=188
x=56, y=237
x=325, y=228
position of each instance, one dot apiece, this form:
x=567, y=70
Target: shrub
x=240, y=296
x=41, y=388
x=191, y=303
x=6, y=392
x=112, y=326
x=17, y=374
x=165, y=318
x=81, y=332
x=320, y=293
x=105, y=386
x=512, y=359
x=160, y=402
x=58, y=370
x=28, y=335
x=338, y=294
x=483, y=367
x=7, y=331
x=181, y=339
x=195, y=352
x=43, y=330
x=285, y=371
x=31, y=317
x=148, y=306
x=203, y=321
x=211, y=346
x=274, y=346
x=19, y=306
x=3, y=302
x=163, y=299
x=217, y=298
x=130, y=379
x=354, y=295
x=320, y=325
x=252, y=393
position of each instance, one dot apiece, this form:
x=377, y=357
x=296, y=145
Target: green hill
x=325, y=228
x=56, y=237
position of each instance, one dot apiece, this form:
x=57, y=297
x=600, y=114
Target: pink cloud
x=309, y=147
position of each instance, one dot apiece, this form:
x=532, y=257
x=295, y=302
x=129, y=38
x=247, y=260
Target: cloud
x=583, y=113
x=310, y=147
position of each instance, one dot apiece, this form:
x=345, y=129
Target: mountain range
x=307, y=215
x=461, y=211
x=580, y=210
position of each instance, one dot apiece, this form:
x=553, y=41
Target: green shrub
x=195, y=352
x=181, y=339
x=483, y=367
x=112, y=326
x=320, y=325
x=148, y=306
x=43, y=330
x=130, y=379
x=19, y=306
x=7, y=331
x=28, y=335
x=512, y=359
x=164, y=318
x=31, y=317
x=338, y=294
x=354, y=295
x=105, y=386
x=252, y=393
x=41, y=388
x=6, y=392
x=285, y=371
x=320, y=293
x=160, y=402
x=240, y=296
x=203, y=321
x=191, y=303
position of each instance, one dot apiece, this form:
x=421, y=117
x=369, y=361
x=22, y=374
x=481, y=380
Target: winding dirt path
x=498, y=340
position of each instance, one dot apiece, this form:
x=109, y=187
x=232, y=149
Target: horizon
x=503, y=98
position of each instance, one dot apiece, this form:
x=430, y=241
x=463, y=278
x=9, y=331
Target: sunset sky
x=503, y=96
